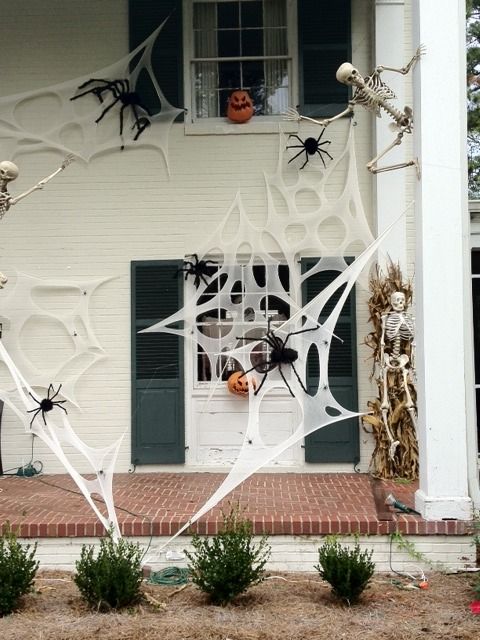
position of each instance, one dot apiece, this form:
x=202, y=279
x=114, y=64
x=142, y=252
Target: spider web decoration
x=24, y=304
x=101, y=460
x=239, y=245
x=48, y=119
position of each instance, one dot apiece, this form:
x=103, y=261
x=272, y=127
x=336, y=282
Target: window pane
x=253, y=75
x=228, y=15
x=276, y=42
x=206, y=93
x=229, y=75
x=476, y=262
x=251, y=14
x=476, y=326
x=228, y=43
x=252, y=42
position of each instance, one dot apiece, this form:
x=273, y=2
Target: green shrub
x=348, y=571
x=230, y=562
x=111, y=580
x=17, y=571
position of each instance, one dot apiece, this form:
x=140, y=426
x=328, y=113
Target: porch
x=295, y=509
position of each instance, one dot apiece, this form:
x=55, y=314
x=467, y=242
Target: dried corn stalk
x=404, y=463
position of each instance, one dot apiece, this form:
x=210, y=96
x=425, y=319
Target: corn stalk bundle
x=405, y=460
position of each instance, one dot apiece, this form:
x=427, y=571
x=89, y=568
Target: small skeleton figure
x=9, y=172
x=398, y=329
x=374, y=95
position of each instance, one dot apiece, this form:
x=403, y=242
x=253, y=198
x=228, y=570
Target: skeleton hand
x=68, y=160
x=292, y=115
x=421, y=51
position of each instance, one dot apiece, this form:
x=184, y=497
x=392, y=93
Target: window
x=238, y=44
x=284, y=52
x=257, y=294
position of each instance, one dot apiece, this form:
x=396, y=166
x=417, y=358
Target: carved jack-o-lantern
x=240, y=106
x=238, y=383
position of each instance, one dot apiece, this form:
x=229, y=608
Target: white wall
x=92, y=220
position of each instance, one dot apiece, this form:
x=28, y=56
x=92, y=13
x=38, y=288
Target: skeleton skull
x=8, y=171
x=397, y=300
x=347, y=74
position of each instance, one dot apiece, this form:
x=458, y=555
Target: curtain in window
x=275, y=44
x=205, y=74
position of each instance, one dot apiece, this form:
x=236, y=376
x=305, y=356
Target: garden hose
x=169, y=576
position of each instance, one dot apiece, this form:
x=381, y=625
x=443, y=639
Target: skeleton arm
x=68, y=160
x=292, y=114
x=404, y=70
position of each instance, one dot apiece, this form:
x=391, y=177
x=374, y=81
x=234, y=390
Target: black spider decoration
x=46, y=404
x=309, y=146
x=279, y=354
x=199, y=269
x=120, y=90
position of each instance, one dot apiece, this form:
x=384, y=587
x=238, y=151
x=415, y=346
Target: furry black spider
x=279, y=354
x=46, y=404
x=120, y=90
x=309, y=146
x=199, y=269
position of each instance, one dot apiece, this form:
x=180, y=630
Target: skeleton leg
x=409, y=404
x=373, y=167
x=385, y=408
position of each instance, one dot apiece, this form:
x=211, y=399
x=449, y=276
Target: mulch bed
x=286, y=606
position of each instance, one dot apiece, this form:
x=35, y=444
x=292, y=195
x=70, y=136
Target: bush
x=229, y=563
x=17, y=571
x=348, y=571
x=111, y=580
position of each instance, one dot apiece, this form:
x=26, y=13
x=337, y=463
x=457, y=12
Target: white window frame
x=260, y=124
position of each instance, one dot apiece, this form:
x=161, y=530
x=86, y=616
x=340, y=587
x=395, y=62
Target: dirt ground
x=286, y=606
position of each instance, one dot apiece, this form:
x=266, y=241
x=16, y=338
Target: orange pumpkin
x=238, y=383
x=240, y=106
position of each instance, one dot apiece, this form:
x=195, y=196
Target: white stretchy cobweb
x=101, y=460
x=235, y=299
x=62, y=306
x=47, y=118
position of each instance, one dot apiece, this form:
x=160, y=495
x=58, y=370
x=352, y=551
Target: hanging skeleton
x=374, y=95
x=9, y=172
x=398, y=331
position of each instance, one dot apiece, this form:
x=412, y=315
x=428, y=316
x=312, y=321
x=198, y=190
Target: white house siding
x=93, y=220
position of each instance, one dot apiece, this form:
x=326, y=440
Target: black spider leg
x=300, y=152
x=95, y=90
x=285, y=380
x=264, y=363
x=298, y=378
x=320, y=151
x=107, y=109
x=298, y=146
x=294, y=333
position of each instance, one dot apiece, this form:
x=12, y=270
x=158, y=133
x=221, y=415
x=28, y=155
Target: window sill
x=221, y=126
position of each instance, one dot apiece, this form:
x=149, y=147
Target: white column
x=442, y=289
x=390, y=186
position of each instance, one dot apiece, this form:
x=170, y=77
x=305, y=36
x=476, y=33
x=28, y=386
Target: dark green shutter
x=324, y=37
x=158, y=432
x=338, y=442
x=167, y=60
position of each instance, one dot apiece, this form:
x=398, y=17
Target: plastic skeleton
x=374, y=95
x=9, y=172
x=398, y=329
